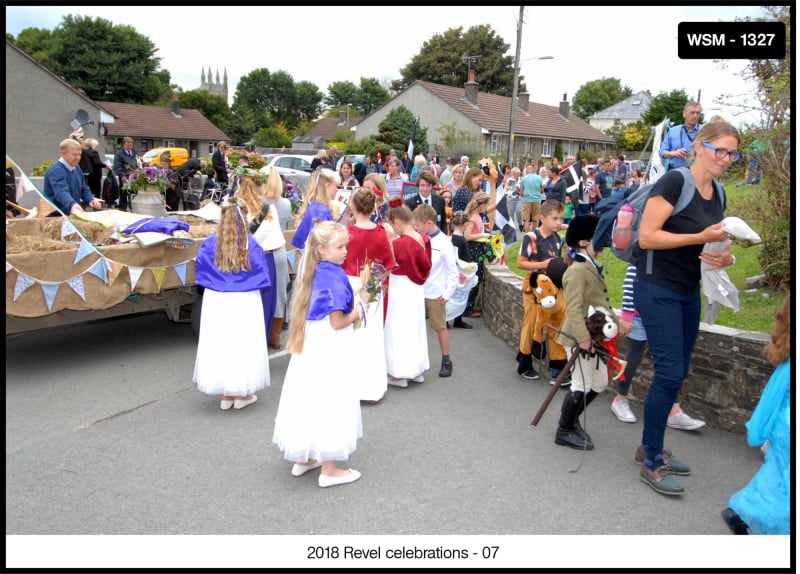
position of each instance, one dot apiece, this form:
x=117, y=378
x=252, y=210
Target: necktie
x=427, y=201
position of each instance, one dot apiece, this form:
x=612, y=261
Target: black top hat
x=581, y=228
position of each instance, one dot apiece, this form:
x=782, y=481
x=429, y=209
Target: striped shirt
x=628, y=307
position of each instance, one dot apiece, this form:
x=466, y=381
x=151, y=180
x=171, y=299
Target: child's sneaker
x=622, y=410
x=681, y=421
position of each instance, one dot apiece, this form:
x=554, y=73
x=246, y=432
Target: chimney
x=176, y=110
x=342, y=117
x=523, y=99
x=563, y=107
x=471, y=89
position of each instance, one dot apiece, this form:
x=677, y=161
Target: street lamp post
x=513, y=115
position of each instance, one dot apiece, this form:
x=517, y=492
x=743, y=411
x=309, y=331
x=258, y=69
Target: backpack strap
x=685, y=198
x=254, y=225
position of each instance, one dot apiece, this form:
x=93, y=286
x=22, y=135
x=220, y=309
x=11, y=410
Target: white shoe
x=682, y=421
x=417, y=379
x=300, y=469
x=397, y=382
x=225, y=404
x=242, y=403
x=622, y=410
x=326, y=481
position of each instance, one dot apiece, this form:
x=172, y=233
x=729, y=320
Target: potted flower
x=148, y=188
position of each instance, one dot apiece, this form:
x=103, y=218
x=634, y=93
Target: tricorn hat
x=581, y=228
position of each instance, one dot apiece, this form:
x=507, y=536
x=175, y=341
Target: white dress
x=370, y=377
x=319, y=414
x=405, y=332
x=217, y=369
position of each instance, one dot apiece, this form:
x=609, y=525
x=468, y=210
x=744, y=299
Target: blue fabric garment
x=65, y=187
x=764, y=504
x=160, y=224
x=316, y=210
x=208, y=276
x=330, y=291
x=678, y=137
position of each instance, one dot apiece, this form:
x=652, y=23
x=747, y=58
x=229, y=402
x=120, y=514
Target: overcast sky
x=322, y=45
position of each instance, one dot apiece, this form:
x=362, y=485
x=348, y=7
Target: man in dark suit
x=125, y=161
x=220, y=164
x=425, y=182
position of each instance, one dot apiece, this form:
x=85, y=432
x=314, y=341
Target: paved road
x=106, y=434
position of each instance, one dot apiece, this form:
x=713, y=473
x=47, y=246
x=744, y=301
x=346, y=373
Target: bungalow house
x=539, y=128
x=159, y=126
x=628, y=111
x=40, y=108
x=322, y=133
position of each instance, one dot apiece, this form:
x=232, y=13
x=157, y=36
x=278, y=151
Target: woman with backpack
x=668, y=294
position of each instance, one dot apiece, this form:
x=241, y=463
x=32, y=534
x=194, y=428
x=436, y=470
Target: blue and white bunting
x=23, y=282
x=50, y=291
x=77, y=285
x=84, y=249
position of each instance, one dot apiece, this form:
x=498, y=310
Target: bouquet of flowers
x=293, y=193
x=373, y=274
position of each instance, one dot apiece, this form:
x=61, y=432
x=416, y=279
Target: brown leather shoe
x=475, y=315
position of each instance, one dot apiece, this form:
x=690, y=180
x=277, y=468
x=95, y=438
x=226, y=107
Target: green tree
x=271, y=137
x=395, y=131
x=666, y=105
x=341, y=94
x=440, y=61
x=629, y=136
x=309, y=101
x=36, y=43
x=109, y=62
x=252, y=101
x=371, y=95
x=214, y=108
x=597, y=95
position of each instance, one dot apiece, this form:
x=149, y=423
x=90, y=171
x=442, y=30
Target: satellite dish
x=82, y=116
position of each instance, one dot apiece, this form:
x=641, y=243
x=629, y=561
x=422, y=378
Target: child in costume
x=583, y=286
x=764, y=505
x=319, y=415
x=232, y=269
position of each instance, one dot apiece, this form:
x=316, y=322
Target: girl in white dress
x=232, y=268
x=319, y=414
x=405, y=332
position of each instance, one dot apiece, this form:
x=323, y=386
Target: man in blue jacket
x=679, y=138
x=64, y=183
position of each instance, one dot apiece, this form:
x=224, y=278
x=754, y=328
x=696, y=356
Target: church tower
x=214, y=87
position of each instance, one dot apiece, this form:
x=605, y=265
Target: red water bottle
x=621, y=238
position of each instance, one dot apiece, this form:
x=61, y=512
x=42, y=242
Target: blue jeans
x=582, y=209
x=672, y=321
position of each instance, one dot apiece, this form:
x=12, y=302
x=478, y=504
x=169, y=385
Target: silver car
x=295, y=168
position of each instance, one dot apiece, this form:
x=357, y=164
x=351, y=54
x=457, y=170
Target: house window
x=495, y=144
x=210, y=148
x=146, y=145
x=547, y=147
x=169, y=143
x=617, y=122
x=527, y=148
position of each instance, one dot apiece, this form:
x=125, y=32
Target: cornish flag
x=502, y=222
x=573, y=175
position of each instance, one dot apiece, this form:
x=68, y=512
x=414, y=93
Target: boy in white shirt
x=441, y=282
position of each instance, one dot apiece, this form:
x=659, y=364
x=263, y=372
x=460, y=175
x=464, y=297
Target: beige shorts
x=531, y=211
x=436, y=314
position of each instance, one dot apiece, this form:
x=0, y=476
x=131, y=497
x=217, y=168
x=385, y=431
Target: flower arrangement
x=147, y=177
x=294, y=193
x=372, y=275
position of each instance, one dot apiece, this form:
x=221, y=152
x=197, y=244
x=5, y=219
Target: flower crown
x=250, y=172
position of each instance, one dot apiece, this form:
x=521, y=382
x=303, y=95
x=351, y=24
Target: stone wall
x=728, y=370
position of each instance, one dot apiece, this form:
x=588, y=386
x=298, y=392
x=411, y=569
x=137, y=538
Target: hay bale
x=24, y=243
x=93, y=231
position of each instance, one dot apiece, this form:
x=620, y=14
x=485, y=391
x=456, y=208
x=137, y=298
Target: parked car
x=177, y=156
x=355, y=158
x=296, y=168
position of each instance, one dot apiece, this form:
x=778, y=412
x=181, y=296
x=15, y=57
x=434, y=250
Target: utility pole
x=513, y=115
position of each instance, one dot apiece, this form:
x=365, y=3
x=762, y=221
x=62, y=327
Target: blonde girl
x=479, y=247
x=232, y=269
x=319, y=415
